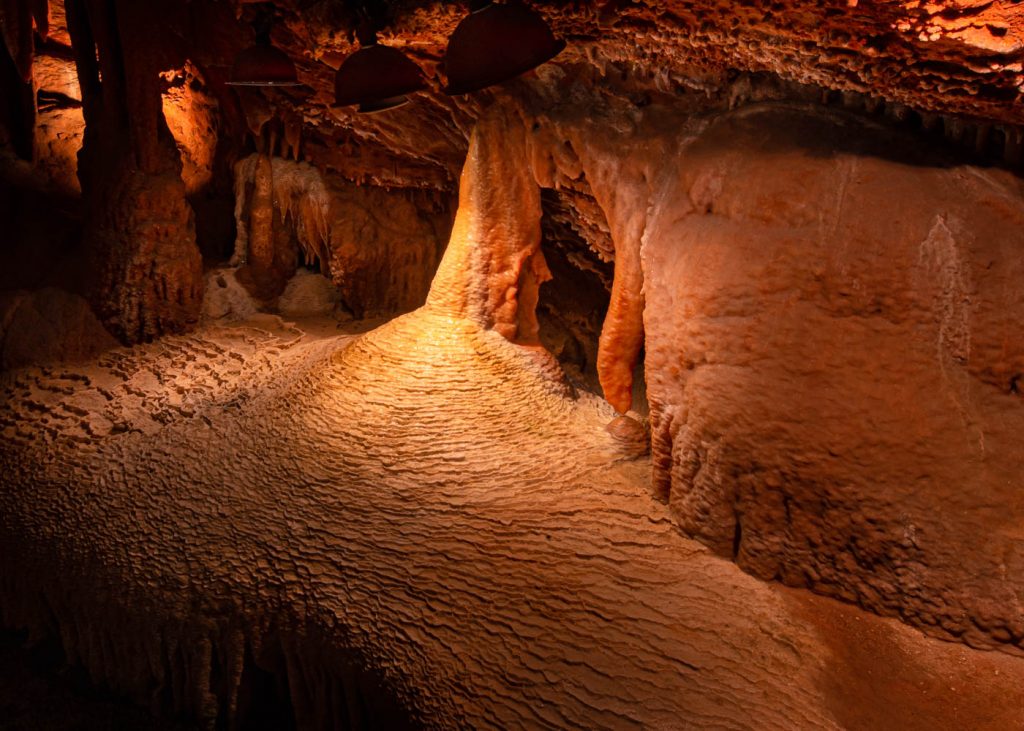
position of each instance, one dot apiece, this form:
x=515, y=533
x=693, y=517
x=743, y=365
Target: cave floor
x=432, y=499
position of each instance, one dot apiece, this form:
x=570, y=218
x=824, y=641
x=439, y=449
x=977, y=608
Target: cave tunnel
x=526, y=364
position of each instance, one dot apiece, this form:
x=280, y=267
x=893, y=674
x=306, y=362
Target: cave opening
x=547, y=365
x=574, y=302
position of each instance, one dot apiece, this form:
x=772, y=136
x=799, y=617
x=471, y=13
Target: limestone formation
x=48, y=326
x=139, y=228
x=225, y=298
x=308, y=295
x=379, y=248
x=676, y=383
x=418, y=526
x=832, y=342
x=831, y=348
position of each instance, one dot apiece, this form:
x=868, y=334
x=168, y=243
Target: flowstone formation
x=831, y=360
x=943, y=69
x=381, y=249
x=832, y=353
x=139, y=229
x=419, y=526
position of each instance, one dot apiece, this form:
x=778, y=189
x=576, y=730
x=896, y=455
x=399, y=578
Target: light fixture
x=376, y=77
x=494, y=43
x=263, y=64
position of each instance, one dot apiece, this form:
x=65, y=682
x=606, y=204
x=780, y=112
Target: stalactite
x=291, y=143
x=302, y=202
x=303, y=198
x=380, y=248
x=621, y=183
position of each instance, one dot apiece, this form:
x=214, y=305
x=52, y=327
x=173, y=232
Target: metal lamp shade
x=377, y=78
x=496, y=43
x=263, y=65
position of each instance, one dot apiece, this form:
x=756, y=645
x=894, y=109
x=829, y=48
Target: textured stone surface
x=193, y=118
x=837, y=407
x=493, y=267
x=832, y=351
x=427, y=503
x=308, y=294
x=139, y=230
x=938, y=58
x=148, y=271
x=226, y=298
x=948, y=68
x=833, y=358
x=431, y=514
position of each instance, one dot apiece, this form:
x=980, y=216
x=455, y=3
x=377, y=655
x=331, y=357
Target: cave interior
x=526, y=364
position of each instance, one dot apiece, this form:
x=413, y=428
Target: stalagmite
x=261, y=217
x=495, y=244
x=140, y=231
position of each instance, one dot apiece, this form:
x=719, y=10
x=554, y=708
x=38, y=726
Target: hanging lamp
x=376, y=77
x=263, y=64
x=494, y=43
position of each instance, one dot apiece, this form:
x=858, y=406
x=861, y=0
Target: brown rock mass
x=494, y=257
x=139, y=229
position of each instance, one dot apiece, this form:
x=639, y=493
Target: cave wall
x=829, y=313
x=833, y=353
x=151, y=176
x=939, y=66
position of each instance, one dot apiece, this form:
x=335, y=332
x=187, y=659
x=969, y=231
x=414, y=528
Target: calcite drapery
x=379, y=247
x=759, y=257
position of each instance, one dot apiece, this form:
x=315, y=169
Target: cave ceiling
x=941, y=58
